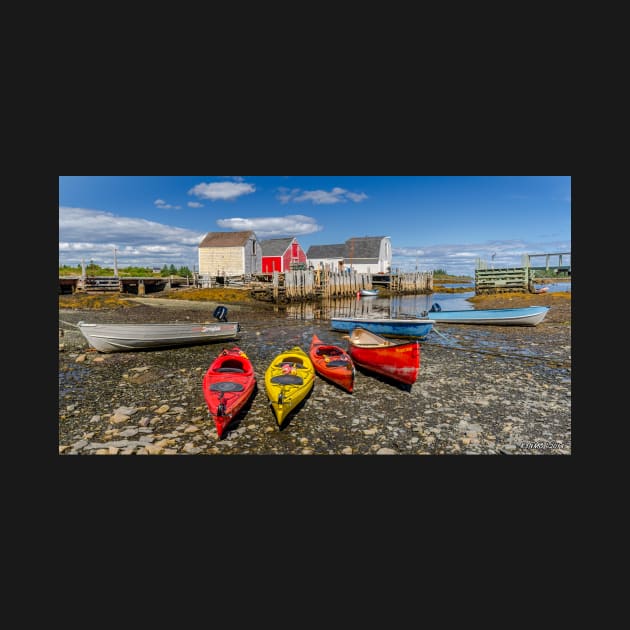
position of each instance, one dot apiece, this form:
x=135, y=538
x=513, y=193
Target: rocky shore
x=480, y=390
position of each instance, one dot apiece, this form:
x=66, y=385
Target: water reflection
x=391, y=307
x=376, y=307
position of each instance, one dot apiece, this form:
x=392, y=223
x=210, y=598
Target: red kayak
x=227, y=386
x=395, y=360
x=333, y=363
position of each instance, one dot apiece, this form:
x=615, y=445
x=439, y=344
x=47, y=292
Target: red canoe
x=395, y=360
x=333, y=363
x=227, y=386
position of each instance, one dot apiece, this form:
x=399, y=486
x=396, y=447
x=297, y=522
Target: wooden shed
x=230, y=254
x=280, y=254
x=367, y=254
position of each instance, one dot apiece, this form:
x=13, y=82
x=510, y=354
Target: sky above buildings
x=445, y=222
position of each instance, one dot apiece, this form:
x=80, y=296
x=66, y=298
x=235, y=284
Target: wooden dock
x=115, y=284
x=300, y=285
x=516, y=279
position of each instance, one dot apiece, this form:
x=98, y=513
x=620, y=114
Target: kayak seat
x=331, y=352
x=226, y=386
x=338, y=363
x=230, y=365
x=292, y=365
x=287, y=379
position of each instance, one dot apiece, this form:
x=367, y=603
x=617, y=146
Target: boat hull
x=419, y=328
x=332, y=363
x=130, y=337
x=227, y=386
x=397, y=361
x=288, y=380
x=527, y=316
x=368, y=293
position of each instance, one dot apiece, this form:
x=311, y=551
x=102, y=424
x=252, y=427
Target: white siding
x=220, y=261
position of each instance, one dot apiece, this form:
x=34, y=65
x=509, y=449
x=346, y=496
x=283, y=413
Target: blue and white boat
x=419, y=328
x=526, y=316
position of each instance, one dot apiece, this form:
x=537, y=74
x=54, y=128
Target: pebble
x=459, y=403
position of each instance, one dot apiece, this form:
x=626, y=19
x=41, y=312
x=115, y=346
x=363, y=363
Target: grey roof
x=226, y=239
x=275, y=246
x=363, y=249
x=326, y=251
x=359, y=250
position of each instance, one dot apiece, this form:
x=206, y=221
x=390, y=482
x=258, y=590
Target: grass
x=94, y=301
x=213, y=295
x=540, y=298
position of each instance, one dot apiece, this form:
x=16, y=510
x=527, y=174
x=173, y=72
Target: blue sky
x=434, y=222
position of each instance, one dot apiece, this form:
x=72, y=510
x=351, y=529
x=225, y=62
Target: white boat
x=526, y=316
x=129, y=337
x=368, y=292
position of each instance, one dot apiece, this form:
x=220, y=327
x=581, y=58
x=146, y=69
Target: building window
x=254, y=248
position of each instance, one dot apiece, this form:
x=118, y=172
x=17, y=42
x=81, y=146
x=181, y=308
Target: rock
x=162, y=410
x=126, y=411
x=152, y=449
x=119, y=418
x=128, y=432
x=386, y=451
x=347, y=450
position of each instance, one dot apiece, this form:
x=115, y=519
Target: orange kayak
x=395, y=360
x=333, y=363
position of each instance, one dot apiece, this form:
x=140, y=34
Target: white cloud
x=93, y=234
x=224, y=191
x=319, y=197
x=160, y=203
x=195, y=204
x=266, y=227
x=462, y=258
x=356, y=197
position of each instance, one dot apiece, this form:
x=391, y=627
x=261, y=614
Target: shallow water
x=395, y=306
x=379, y=307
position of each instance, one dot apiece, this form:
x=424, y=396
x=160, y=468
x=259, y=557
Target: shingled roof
x=226, y=239
x=364, y=248
x=326, y=251
x=275, y=246
x=358, y=250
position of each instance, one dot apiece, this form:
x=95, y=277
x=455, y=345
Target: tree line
x=131, y=272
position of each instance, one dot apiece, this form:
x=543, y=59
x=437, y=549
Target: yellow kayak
x=288, y=379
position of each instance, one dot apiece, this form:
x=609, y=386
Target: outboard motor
x=220, y=312
x=436, y=308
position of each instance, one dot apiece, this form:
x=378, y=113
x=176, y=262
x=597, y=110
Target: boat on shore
x=288, y=379
x=397, y=361
x=417, y=327
x=525, y=316
x=332, y=363
x=130, y=337
x=368, y=292
x=227, y=386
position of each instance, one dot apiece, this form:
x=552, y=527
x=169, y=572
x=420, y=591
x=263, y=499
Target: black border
x=393, y=145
